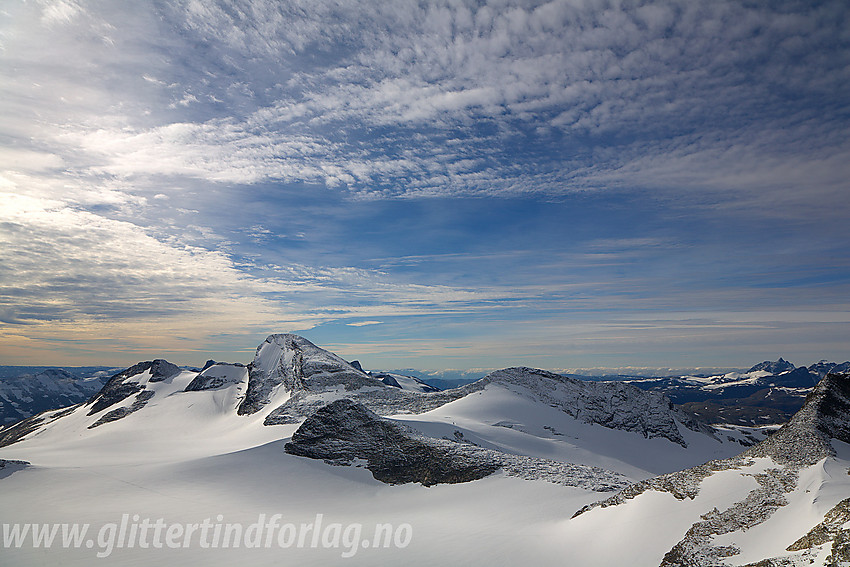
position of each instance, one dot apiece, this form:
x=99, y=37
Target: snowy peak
x=776, y=367
x=289, y=363
x=806, y=438
x=218, y=375
x=615, y=405
x=824, y=367
x=131, y=381
x=411, y=383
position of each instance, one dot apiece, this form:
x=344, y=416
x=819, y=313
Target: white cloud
x=127, y=122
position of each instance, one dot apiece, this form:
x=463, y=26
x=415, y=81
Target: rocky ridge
x=804, y=441
x=344, y=432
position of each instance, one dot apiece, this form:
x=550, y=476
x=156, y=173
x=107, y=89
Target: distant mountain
x=26, y=391
x=769, y=393
x=411, y=383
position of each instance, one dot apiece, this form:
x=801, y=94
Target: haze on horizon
x=439, y=184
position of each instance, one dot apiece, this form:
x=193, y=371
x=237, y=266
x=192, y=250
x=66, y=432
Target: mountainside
x=29, y=393
x=769, y=393
x=343, y=432
x=783, y=501
x=505, y=460
x=291, y=379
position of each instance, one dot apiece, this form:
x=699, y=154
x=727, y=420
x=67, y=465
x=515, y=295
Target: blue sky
x=577, y=184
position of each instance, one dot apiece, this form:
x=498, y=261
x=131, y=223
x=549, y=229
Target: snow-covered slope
x=161, y=442
x=517, y=410
x=781, y=502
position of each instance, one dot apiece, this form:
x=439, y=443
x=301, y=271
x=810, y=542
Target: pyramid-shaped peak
x=807, y=436
x=291, y=362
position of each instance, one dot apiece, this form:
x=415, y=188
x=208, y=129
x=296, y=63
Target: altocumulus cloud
x=131, y=131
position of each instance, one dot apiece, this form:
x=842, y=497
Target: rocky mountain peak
x=774, y=367
x=124, y=384
x=805, y=439
x=615, y=405
x=293, y=363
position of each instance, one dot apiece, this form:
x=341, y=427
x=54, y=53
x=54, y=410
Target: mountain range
x=522, y=466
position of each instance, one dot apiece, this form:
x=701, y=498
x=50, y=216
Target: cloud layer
x=429, y=171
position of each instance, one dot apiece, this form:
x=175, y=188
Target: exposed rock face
x=217, y=375
x=123, y=385
x=828, y=530
x=803, y=441
x=614, y=405
x=296, y=365
x=344, y=432
x=116, y=414
x=17, y=431
x=696, y=547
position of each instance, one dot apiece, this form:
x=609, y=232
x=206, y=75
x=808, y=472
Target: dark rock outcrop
x=121, y=386
x=118, y=413
x=345, y=433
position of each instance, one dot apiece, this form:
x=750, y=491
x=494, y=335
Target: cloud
x=363, y=323
x=71, y=272
x=458, y=99
x=186, y=166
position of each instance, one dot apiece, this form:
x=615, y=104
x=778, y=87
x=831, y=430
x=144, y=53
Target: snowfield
x=194, y=455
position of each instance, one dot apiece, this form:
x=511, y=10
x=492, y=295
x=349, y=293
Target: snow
x=481, y=417
x=641, y=532
x=189, y=455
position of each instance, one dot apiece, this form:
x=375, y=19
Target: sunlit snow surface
x=187, y=456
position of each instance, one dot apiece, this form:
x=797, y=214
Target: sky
x=434, y=185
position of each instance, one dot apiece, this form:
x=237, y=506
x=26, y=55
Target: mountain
x=291, y=379
x=489, y=472
x=781, y=502
x=343, y=432
x=769, y=393
x=35, y=390
x=411, y=383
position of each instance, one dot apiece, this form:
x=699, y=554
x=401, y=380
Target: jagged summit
x=774, y=367
x=615, y=405
x=291, y=363
x=130, y=381
x=805, y=439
